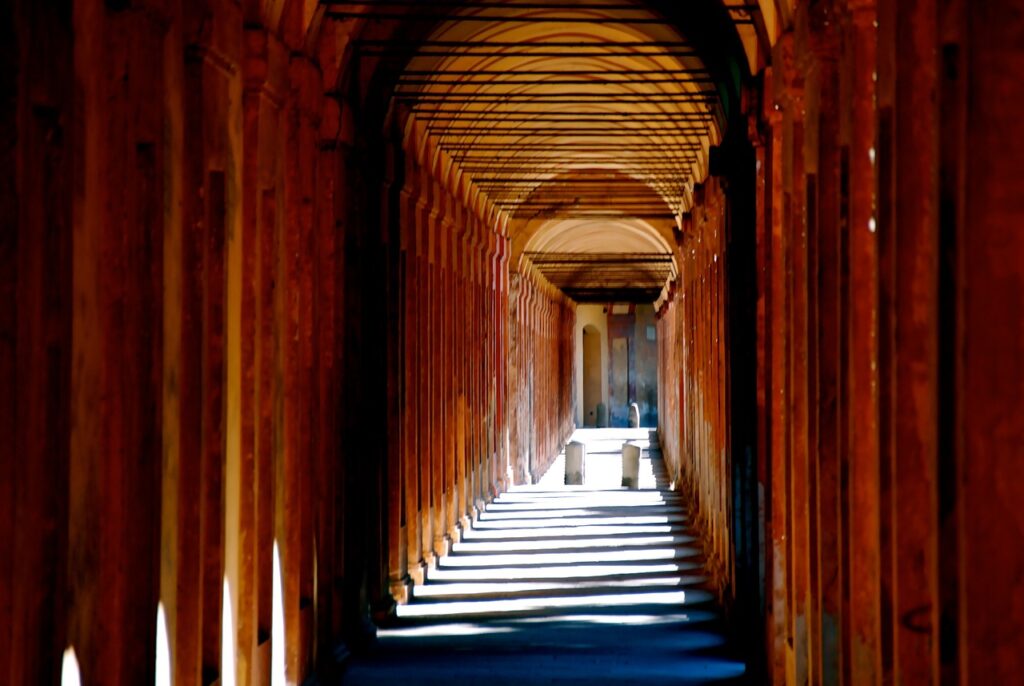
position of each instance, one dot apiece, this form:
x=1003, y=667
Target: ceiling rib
x=578, y=146
x=561, y=117
x=568, y=50
x=502, y=18
x=488, y=4
x=504, y=83
x=478, y=133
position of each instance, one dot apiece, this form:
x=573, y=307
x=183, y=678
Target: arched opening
x=593, y=407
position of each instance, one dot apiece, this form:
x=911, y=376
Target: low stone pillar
x=575, y=463
x=634, y=416
x=631, y=465
x=602, y=416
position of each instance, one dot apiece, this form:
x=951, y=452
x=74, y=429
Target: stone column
x=575, y=463
x=422, y=304
x=630, y=466
x=396, y=198
x=795, y=209
x=448, y=351
x=114, y=472
x=822, y=165
x=410, y=357
x=779, y=397
x=864, y=495
x=40, y=125
x=988, y=283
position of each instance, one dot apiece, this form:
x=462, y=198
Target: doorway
x=591, y=374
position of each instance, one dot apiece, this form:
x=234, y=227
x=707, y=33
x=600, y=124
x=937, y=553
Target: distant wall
x=629, y=358
x=590, y=315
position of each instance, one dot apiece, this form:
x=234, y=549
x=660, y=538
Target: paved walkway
x=564, y=585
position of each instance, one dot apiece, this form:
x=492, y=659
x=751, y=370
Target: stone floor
x=564, y=585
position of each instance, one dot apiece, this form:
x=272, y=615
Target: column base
x=418, y=572
x=442, y=547
x=383, y=612
x=401, y=590
x=455, y=533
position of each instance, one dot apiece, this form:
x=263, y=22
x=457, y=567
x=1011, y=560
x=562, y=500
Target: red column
x=824, y=321
x=448, y=365
x=798, y=381
x=115, y=428
x=422, y=364
x=325, y=398
x=410, y=330
x=434, y=333
x=778, y=403
x=462, y=368
x=36, y=303
x=865, y=555
x=989, y=248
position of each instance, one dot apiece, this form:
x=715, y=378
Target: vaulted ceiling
x=567, y=113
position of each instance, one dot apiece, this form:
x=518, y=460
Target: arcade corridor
x=299, y=297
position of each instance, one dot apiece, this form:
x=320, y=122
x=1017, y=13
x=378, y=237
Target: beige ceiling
x=586, y=123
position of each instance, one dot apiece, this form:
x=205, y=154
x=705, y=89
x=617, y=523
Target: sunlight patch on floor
x=569, y=532
x=449, y=629
x=507, y=587
x=561, y=558
x=512, y=605
x=561, y=572
x=578, y=521
x=576, y=544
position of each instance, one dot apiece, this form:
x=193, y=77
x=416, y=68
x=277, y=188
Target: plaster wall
x=590, y=315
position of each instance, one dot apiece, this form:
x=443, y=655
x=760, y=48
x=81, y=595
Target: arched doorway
x=591, y=376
